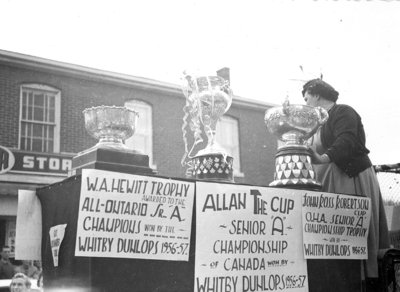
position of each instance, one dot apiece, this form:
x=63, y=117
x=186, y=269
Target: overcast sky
x=355, y=44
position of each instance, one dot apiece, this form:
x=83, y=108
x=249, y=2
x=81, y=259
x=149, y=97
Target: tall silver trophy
x=207, y=99
x=294, y=125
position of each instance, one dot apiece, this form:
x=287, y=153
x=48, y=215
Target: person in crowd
x=38, y=265
x=28, y=269
x=6, y=267
x=342, y=165
x=40, y=282
x=20, y=283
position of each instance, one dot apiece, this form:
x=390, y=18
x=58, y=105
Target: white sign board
x=56, y=237
x=28, y=237
x=131, y=216
x=248, y=239
x=335, y=226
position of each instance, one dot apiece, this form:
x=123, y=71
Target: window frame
x=57, y=112
x=237, y=172
x=148, y=133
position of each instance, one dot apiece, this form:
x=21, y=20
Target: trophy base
x=214, y=167
x=303, y=184
x=293, y=169
x=112, y=160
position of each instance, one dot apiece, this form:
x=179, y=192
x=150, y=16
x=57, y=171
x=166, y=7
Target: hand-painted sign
x=131, y=216
x=56, y=237
x=248, y=238
x=335, y=226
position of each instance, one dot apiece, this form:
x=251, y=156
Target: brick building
x=43, y=126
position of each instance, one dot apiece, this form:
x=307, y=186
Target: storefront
x=25, y=170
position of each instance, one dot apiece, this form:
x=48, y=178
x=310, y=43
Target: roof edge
x=30, y=61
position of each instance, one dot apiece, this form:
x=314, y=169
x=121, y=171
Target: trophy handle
x=191, y=112
x=323, y=118
x=324, y=115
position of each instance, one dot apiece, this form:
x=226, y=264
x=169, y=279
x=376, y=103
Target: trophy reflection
x=207, y=99
x=294, y=125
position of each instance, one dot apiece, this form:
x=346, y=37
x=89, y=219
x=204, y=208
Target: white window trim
x=236, y=172
x=57, y=112
x=131, y=104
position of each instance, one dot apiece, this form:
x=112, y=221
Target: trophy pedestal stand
x=112, y=160
x=293, y=169
x=216, y=167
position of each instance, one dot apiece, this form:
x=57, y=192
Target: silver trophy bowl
x=111, y=125
x=294, y=124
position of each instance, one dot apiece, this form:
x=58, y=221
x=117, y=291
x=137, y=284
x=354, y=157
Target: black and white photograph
x=199, y=146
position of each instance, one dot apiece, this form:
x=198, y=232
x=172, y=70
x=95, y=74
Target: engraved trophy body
x=111, y=125
x=294, y=125
x=207, y=99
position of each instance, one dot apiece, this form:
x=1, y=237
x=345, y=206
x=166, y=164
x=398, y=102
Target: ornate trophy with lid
x=207, y=99
x=294, y=125
x=111, y=125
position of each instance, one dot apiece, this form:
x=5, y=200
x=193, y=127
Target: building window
x=228, y=138
x=142, y=139
x=39, y=118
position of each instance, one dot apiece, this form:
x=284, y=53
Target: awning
x=11, y=189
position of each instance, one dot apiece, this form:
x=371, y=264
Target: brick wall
x=257, y=147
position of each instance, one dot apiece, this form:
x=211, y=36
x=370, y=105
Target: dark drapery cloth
x=60, y=205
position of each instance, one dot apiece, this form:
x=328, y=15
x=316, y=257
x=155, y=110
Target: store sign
x=42, y=162
x=25, y=161
x=7, y=159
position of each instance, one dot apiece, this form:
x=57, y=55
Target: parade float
x=115, y=225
